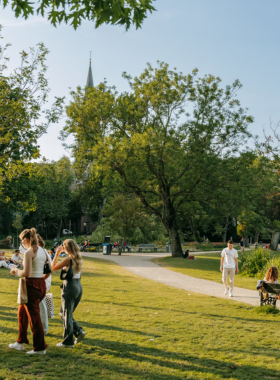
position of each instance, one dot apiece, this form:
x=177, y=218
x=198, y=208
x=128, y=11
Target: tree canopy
x=172, y=139
x=115, y=12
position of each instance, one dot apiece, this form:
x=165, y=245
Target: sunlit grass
x=141, y=329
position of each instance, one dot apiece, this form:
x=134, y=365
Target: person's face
x=230, y=246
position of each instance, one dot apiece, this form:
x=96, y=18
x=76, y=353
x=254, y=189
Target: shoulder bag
x=47, y=268
x=22, y=292
x=67, y=274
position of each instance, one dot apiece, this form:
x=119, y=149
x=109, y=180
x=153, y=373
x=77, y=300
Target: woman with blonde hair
x=72, y=291
x=34, y=260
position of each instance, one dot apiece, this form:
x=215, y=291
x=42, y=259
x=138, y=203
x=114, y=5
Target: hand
x=13, y=271
x=221, y=269
x=237, y=270
x=59, y=250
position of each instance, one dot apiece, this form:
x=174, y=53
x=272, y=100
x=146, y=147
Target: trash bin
x=107, y=249
x=107, y=239
x=168, y=247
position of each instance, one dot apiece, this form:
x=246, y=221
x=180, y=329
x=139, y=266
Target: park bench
x=269, y=293
x=93, y=245
x=147, y=246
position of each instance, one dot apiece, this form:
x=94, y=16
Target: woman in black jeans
x=71, y=293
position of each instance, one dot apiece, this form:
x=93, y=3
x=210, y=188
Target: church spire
x=89, y=78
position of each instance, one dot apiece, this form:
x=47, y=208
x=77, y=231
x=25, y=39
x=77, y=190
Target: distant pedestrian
x=229, y=265
x=241, y=245
x=22, y=249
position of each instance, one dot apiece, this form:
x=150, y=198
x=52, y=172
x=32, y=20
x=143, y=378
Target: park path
x=142, y=265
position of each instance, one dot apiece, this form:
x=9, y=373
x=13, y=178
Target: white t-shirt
x=22, y=250
x=17, y=258
x=229, y=256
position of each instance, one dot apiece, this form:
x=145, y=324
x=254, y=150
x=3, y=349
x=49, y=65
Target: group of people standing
x=37, y=283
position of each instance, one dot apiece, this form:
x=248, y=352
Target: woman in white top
x=71, y=293
x=48, y=280
x=34, y=260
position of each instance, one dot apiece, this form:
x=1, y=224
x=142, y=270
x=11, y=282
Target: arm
x=222, y=264
x=236, y=264
x=63, y=263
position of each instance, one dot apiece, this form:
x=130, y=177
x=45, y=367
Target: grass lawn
x=207, y=266
x=140, y=329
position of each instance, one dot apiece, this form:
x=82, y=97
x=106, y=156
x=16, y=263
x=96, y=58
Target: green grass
x=207, y=266
x=140, y=329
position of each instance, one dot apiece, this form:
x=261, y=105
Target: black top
x=241, y=243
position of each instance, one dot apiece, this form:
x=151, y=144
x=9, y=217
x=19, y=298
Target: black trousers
x=71, y=295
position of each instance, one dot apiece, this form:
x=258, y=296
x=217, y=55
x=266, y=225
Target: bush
x=48, y=244
x=273, y=262
x=255, y=261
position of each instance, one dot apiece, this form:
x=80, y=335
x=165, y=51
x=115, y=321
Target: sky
x=230, y=39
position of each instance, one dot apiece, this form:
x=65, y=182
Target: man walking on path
x=241, y=245
x=229, y=264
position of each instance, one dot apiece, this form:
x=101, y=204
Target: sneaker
x=230, y=294
x=80, y=337
x=65, y=345
x=46, y=332
x=43, y=352
x=226, y=291
x=17, y=346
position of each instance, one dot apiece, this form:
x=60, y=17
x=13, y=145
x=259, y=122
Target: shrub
x=254, y=262
x=273, y=262
x=48, y=244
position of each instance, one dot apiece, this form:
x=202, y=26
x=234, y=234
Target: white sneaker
x=65, y=345
x=17, y=346
x=43, y=352
x=230, y=294
x=46, y=332
x=226, y=291
x=80, y=337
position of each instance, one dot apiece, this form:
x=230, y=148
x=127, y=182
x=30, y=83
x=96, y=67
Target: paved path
x=141, y=264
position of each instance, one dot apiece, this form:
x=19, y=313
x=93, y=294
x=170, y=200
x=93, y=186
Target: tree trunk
x=59, y=229
x=122, y=245
x=225, y=230
x=274, y=240
x=256, y=238
x=193, y=229
x=174, y=239
x=246, y=241
x=100, y=216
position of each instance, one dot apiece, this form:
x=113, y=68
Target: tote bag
x=22, y=292
x=50, y=305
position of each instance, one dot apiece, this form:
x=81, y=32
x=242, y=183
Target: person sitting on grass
x=3, y=261
x=17, y=257
x=272, y=275
x=186, y=254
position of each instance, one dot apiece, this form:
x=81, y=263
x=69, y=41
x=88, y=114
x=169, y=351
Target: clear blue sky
x=230, y=39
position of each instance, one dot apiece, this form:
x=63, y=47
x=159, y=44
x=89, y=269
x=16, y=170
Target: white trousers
x=44, y=315
x=3, y=264
x=231, y=273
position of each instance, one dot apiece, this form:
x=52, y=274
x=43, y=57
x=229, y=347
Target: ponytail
x=40, y=241
x=31, y=235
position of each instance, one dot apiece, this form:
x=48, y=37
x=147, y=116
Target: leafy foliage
x=115, y=12
x=172, y=139
x=254, y=261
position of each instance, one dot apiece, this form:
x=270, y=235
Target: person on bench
x=272, y=275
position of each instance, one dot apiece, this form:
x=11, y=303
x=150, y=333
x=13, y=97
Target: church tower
x=89, y=77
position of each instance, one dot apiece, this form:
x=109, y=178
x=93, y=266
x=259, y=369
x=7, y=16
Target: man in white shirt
x=16, y=257
x=229, y=264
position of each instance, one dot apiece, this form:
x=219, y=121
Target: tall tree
x=23, y=97
x=166, y=138
x=114, y=12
